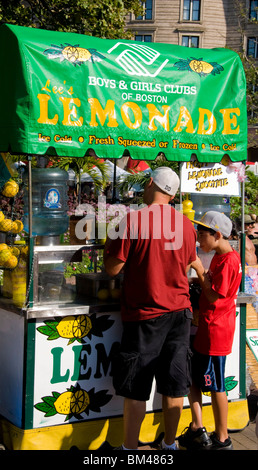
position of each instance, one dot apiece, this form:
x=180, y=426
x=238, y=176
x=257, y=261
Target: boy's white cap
x=217, y=221
x=166, y=179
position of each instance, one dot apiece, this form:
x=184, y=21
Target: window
x=191, y=10
x=252, y=47
x=190, y=41
x=253, y=10
x=148, y=11
x=143, y=37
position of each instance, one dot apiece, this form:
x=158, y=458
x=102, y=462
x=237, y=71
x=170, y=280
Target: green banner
x=68, y=94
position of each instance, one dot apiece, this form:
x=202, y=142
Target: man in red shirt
x=215, y=333
x=155, y=246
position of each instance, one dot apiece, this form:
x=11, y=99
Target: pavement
x=244, y=439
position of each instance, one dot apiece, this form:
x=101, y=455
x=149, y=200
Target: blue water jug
x=49, y=201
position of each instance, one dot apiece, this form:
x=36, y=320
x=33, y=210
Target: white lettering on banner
x=134, y=56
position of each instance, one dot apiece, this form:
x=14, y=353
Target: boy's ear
x=218, y=235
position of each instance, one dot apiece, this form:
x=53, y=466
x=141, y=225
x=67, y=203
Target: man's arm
x=205, y=283
x=113, y=266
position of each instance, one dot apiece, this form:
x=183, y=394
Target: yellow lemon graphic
x=1, y=216
x=79, y=402
x=200, y=66
x=11, y=188
x=63, y=403
x=74, y=327
x=73, y=54
x=81, y=326
x=70, y=402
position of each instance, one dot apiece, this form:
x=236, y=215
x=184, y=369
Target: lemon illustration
x=200, y=66
x=79, y=402
x=73, y=402
x=63, y=403
x=74, y=327
x=81, y=326
x=74, y=54
x=6, y=225
x=70, y=402
x=1, y=216
x=11, y=188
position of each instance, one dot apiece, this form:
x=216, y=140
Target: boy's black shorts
x=154, y=348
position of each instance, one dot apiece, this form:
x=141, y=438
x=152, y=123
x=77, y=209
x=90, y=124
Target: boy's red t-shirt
x=216, y=326
x=155, y=279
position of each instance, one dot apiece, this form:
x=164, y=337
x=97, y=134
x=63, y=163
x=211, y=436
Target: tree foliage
x=101, y=18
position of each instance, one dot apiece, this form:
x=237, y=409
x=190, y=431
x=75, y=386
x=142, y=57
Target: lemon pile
x=105, y=294
x=10, y=189
x=8, y=256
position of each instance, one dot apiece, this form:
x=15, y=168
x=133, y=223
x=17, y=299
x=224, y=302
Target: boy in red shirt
x=214, y=337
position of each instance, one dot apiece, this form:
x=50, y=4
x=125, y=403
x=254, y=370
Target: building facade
x=202, y=24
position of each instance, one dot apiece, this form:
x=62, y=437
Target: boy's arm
x=205, y=283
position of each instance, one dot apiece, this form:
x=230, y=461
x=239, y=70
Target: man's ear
x=150, y=181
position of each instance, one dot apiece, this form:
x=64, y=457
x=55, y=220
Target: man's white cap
x=166, y=179
x=217, y=221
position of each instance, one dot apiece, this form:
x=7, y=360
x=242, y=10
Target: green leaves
x=49, y=329
x=100, y=18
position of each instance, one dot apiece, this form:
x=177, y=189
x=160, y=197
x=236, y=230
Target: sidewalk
x=244, y=439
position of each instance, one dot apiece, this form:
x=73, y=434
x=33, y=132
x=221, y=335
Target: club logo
x=137, y=59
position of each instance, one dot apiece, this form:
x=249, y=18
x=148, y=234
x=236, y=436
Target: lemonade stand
x=64, y=94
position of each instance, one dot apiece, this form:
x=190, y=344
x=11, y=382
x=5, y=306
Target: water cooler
x=49, y=203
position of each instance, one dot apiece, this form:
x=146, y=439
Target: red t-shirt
x=216, y=326
x=156, y=243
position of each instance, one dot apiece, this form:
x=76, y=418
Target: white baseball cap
x=217, y=221
x=166, y=180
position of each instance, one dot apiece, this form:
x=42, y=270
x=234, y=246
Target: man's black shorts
x=154, y=348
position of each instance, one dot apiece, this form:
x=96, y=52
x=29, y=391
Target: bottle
x=49, y=201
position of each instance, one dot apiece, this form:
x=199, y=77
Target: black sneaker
x=218, y=445
x=194, y=440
